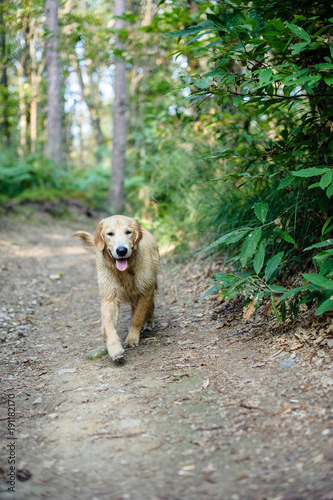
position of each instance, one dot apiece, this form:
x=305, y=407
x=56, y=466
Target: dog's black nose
x=121, y=251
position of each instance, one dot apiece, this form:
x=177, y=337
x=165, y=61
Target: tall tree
x=4, y=92
x=54, y=132
x=116, y=196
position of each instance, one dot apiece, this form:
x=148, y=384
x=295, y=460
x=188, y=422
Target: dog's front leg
x=139, y=314
x=110, y=316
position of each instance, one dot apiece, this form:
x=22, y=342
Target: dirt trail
x=202, y=409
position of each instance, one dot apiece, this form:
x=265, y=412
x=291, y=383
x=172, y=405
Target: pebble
x=66, y=370
x=55, y=277
x=287, y=363
x=130, y=422
x=37, y=401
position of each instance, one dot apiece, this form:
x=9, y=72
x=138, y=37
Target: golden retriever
x=127, y=263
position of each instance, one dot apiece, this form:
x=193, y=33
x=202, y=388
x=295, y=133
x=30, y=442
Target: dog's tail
x=87, y=239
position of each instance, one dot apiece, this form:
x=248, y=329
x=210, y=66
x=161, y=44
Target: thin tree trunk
x=54, y=132
x=92, y=106
x=4, y=121
x=116, y=196
x=23, y=111
x=33, y=102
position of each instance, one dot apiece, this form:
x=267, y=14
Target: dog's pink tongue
x=121, y=264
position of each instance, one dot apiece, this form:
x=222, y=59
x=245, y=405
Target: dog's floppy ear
x=137, y=232
x=99, y=240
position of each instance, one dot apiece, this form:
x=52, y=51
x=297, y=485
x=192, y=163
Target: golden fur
x=132, y=277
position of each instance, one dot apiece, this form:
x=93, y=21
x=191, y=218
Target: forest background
x=228, y=129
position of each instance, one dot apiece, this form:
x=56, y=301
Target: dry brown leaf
x=208, y=478
x=287, y=409
x=295, y=346
x=249, y=310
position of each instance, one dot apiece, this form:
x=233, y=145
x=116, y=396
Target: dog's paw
x=132, y=341
x=116, y=351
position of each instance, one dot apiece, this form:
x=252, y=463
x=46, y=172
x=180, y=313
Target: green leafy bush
x=38, y=179
x=273, y=67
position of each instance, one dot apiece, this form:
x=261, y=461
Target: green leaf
x=286, y=182
x=329, y=191
x=214, y=73
x=235, y=236
x=324, y=66
x=310, y=172
x=326, y=306
x=276, y=288
x=238, y=100
x=319, y=280
x=265, y=75
x=261, y=210
x=326, y=243
x=213, y=289
x=285, y=236
x=228, y=238
x=250, y=244
x=283, y=310
x=279, y=25
x=323, y=255
x=324, y=229
x=259, y=258
x=310, y=80
x=272, y=265
x=326, y=179
x=299, y=47
x=276, y=312
x=298, y=31
x=329, y=80
x=185, y=32
x=202, y=83
x=293, y=292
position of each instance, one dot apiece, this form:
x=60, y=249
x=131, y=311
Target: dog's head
x=120, y=236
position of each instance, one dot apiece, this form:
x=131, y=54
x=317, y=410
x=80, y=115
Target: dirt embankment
x=207, y=407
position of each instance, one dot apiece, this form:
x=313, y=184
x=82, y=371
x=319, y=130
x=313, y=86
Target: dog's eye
x=128, y=232
x=110, y=233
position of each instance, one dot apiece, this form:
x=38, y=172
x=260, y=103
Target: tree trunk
x=54, y=132
x=4, y=120
x=34, y=90
x=116, y=196
x=93, y=105
x=23, y=111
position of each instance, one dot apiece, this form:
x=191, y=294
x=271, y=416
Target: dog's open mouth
x=121, y=264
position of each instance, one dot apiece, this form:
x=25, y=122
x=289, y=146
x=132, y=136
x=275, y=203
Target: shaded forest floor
x=207, y=407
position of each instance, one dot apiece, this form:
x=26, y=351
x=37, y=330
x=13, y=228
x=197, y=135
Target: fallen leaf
x=287, y=409
x=259, y=364
x=208, y=478
x=296, y=346
x=249, y=310
x=205, y=383
x=188, y=467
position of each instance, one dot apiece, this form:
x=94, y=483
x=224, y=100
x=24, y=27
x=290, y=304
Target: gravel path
x=207, y=407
